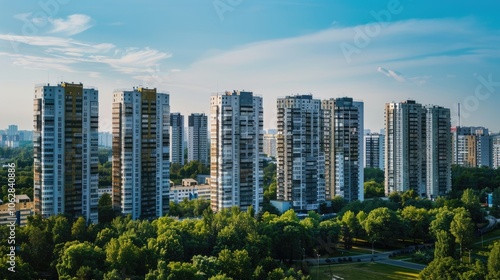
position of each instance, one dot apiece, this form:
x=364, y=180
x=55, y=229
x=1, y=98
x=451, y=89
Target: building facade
x=177, y=138
x=65, y=150
x=344, y=171
x=198, y=138
x=236, y=156
x=472, y=146
x=270, y=148
x=495, y=148
x=300, y=161
x=405, y=140
x=438, y=147
x=141, y=152
x=418, y=149
x=374, y=150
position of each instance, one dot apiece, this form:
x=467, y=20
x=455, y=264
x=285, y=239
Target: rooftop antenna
x=459, y=121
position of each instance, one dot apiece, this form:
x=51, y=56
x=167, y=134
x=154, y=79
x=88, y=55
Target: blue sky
x=376, y=51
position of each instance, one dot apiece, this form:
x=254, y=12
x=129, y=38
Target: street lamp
x=373, y=243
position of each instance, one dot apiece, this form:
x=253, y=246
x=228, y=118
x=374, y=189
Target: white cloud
x=392, y=74
x=72, y=25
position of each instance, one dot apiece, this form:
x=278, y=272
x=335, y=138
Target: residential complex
x=198, y=138
x=177, y=138
x=416, y=142
x=141, y=152
x=65, y=150
x=190, y=189
x=236, y=157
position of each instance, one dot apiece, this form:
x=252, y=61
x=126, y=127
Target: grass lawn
x=372, y=271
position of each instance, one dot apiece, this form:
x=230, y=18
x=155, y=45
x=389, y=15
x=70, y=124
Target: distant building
x=141, y=154
x=236, y=161
x=270, y=145
x=198, y=138
x=65, y=150
x=101, y=191
x=23, y=209
x=177, y=138
x=190, y=189
x=105, y=139
x=471, y=146
x=374, y=150
x=495, y=147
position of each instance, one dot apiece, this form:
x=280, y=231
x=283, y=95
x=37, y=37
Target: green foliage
x=462, y=228
x=445, y=246
x=374, y=189
x=494, y=262
x=474, y=178
x=188, y=208
x=374, y=174
x=189, y=170
x=381, y=224
x=79, y=255
x=442, y=269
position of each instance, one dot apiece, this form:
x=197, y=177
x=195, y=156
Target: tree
x=471, y=203
x=381, y=224
x=105, y=209
x=81, y=255
x=61, y=231
x=123, y=255
x=442, y=220
x=442, y=269
x=462, y=228
x=79, y=229
x=236, y=264
x=445, y=246
x=373, y=189
x=495, y=205
x=418, y=221
x=494, y=262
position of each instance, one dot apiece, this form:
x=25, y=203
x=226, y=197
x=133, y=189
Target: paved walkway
x=401, y=263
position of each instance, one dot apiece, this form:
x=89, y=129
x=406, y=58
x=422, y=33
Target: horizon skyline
x=375, y=52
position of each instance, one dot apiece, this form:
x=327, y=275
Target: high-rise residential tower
x=495, y=148
x=236, y=157
x=343, y=144
x=405, y=140
x=65, y=150
x=198, y=138
x=418, y=149
x=177, y=138
x=141, y=153
x=438, y=148
x=374, y=150
x=300, y=160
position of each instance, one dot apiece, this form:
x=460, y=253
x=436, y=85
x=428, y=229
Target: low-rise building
x=22, y=209
x=190, y=189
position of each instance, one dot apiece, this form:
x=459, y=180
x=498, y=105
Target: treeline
x=233, y=244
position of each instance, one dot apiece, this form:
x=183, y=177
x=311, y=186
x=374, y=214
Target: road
x=378, y=257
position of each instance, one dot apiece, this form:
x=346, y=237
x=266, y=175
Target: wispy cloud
x=72, y=25
x=128, y=60
x=392, y=74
